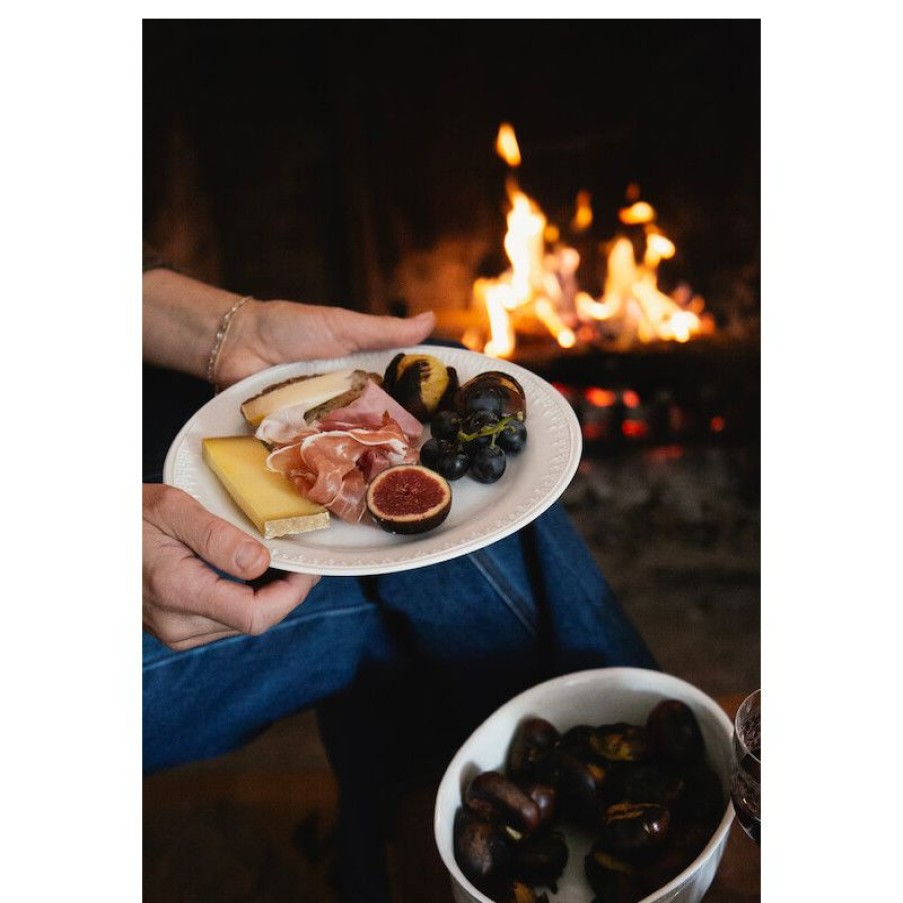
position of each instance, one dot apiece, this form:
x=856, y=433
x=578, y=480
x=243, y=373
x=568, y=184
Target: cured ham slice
x=286, y=426
x=333, y=467
x=368, y=410
x=289, y=426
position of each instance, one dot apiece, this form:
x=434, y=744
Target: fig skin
x=408, y=499
x=510, y=391
x=420, y=383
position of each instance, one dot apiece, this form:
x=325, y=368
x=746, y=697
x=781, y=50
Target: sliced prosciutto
x=333, y=467
x=288, y=425
x=368, y=410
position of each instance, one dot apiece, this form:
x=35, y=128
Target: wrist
x=240, y=345
x=181, y=320
x=219, y=340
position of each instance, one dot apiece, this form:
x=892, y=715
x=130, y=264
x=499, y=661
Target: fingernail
x=247, y=555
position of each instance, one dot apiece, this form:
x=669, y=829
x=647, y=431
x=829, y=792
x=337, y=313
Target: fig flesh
x=408, y=499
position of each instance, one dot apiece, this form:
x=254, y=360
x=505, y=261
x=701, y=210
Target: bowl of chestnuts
x=603, y=785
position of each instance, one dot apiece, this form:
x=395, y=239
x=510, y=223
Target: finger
x=390, y=332
x=250, y=611
x=277, y=599
x=215, y=540
x=411, y=330
x=180, y=632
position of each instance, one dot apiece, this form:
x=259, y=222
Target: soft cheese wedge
x=270, y=501
x=311, y=391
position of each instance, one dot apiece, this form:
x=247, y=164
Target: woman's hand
x=186, y=602
x=181, y=317
x=265, y=333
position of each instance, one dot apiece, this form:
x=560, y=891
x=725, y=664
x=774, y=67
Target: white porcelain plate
x=480, y=514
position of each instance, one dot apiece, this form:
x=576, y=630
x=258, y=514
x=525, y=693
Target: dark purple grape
x=434, y=449
x=453, y=464
x=488, y=464
x=477, y=431
x=445, y=425
x=512, y=437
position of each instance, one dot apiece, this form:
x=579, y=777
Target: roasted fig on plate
x=420, y=383
x=493, y=391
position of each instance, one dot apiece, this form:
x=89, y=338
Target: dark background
x=305, y=159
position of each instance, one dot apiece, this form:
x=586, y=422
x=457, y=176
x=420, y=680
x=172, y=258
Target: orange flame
x=506, y=145
x=496, y=299
x=541, y=286
x=583, y=215
x=637, y=214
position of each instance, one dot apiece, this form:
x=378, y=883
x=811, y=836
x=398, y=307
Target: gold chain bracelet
x=221, y=334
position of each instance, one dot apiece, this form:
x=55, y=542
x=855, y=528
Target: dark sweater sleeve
x=151, y=259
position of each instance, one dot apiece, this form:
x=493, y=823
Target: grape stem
x=492, y=429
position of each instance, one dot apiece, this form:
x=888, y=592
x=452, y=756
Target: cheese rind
x=267, y=498
x=310, y=391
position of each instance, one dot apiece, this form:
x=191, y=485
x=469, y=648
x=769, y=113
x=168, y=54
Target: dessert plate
x=481, y=514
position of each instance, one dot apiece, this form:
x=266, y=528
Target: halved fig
x=408, y=498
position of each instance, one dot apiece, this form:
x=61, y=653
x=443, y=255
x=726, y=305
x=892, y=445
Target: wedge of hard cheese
x=270, y=501
x=310, y=391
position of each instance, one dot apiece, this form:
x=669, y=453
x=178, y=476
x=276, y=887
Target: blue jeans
x=400, y=667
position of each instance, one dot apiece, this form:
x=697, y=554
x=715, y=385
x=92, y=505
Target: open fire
x=540, y=295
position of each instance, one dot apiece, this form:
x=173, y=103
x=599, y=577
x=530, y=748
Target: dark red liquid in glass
x=745, y=794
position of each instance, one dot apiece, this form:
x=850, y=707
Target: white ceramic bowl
x=588, y=697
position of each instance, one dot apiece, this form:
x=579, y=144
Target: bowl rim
x=665, y=680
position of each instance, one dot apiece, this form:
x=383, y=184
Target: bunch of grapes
x=475, y=440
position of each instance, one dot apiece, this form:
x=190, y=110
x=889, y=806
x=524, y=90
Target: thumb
x=218, y=542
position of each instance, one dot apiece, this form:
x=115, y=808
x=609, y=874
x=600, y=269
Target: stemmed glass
x=746, y=766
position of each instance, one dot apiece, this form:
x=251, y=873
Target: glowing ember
x=539, y=293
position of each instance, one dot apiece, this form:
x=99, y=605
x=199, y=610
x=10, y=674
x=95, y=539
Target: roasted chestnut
x=612, y=879
x=546, y=799
x=493, y=797
x=674, y=731
x=703, y=796
x=519, y=892
x=532, y=740
x=541, y=858
x=653, y=782
x=420, y=383
x=578, y=740
x=669, y=859
x=482, y=850
x=580, y=785
x=628, y=827
x=621, y=742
